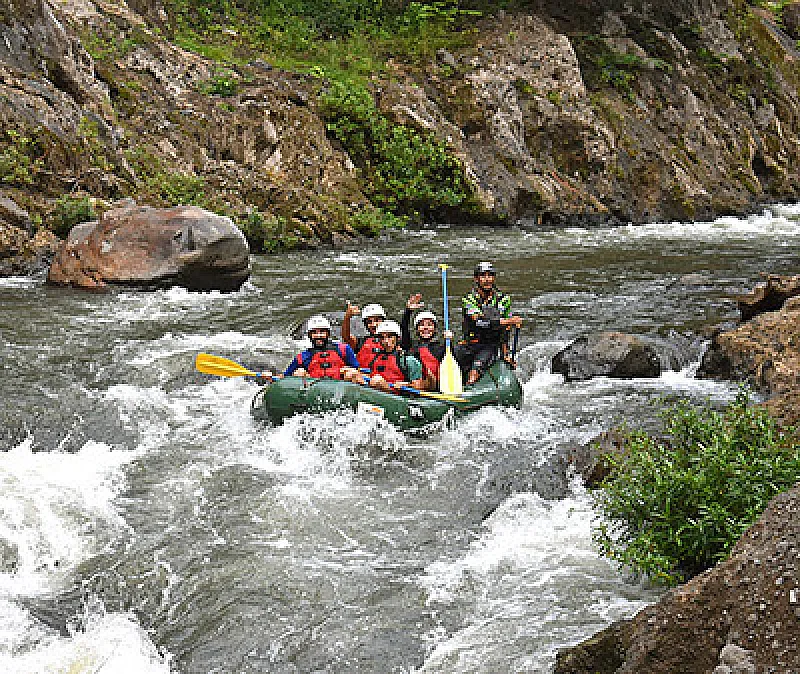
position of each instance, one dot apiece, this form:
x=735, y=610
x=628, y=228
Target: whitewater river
x=147, y=524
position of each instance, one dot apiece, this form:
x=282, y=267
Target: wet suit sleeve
x=350, y=357
x=405, y=330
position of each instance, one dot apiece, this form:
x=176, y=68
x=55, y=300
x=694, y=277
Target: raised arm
x=347, y=337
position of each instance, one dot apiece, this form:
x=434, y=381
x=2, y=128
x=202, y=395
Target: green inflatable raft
x=297, y=395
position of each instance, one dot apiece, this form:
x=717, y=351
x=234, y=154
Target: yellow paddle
x=449, y=371
x=222, y=367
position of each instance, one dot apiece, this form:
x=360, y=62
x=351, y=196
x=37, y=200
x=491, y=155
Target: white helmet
x=388, y=326
x=422, y=315
x=372, y=310
x=318, y=322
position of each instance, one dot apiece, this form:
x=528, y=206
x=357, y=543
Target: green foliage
x=355, y=37
x=674, y=506
x=164, y=187
x=407, y=172
x=267, y=233
x=605, y=66
x=372, y=221
x=19, y=158
x=70, y=211
x=224, y=82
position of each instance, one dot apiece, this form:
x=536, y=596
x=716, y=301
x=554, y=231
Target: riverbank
x=658, y=112
x=742, y=614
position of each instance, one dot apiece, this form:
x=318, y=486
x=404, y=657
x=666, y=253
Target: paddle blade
x=450, y=375
x=222, y=367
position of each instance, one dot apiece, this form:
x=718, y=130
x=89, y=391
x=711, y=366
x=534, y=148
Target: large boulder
x=154, y=248
x=764, y=351
x=607, y=354
x=740, y=616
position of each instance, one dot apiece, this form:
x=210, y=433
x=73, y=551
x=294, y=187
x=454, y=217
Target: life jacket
x=366, y=350
x=486, y=330
x=324, y=363
x=430, y=363
x=391, y=366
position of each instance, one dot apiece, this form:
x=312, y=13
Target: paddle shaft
x=446, y=307
x=514, y=346
x=417, y=392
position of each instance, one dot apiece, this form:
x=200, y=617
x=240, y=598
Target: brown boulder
x=147, y=247
x=742, y=615
x=607, y=354
x=764, y=352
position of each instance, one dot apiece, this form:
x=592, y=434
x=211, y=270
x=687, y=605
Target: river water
x=147, y=524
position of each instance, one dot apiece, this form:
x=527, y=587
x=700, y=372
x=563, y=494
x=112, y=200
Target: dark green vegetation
x=405, y=171
x=673, y=506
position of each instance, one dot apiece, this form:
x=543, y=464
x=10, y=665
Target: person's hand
x=447, y=334
x=379, y=383
x=264, y=378
x=415, y=302
x=511, y=322
x=512, y=363
x=300, y=372
x=351, y=310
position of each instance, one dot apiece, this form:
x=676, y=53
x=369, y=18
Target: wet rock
x=9, y=556
x=607, y=354
x=603, y=653
x=739, y=615
x=764, y=352
x=768, y=296
x=592, y=460
x=21, y=255
x=148, y=247
x=13, y=214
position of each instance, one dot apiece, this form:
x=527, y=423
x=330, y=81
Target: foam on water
x=511, y=583
x=56, y=510
x=53, y=504
x=168, y=304
x=20, y=282
x=106, y=643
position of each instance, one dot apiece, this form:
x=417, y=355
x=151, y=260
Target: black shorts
x=476, y=356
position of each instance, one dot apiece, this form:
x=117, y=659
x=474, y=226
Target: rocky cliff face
x=592, y=112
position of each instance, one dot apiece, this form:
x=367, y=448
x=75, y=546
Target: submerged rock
x=607, y=354
x=147, y=247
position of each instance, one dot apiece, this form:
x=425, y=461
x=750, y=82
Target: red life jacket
x=387, y=365
x=368, y=350
x=324, y=363
x=430, y=363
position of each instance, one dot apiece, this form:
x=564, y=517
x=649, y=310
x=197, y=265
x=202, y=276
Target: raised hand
x=415, y=302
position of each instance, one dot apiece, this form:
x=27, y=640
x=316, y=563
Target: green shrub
x=19, y=158
x=268, y=233
x=674, y=506
x=223, y=83
x=372, y=221
x=70, y=211
x=406, y=172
